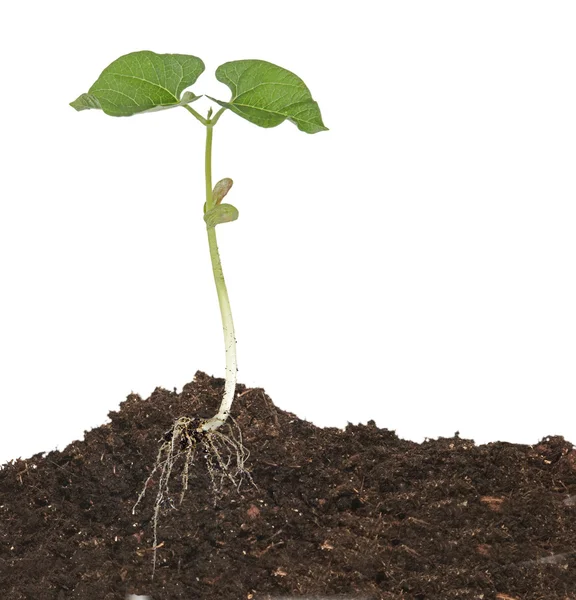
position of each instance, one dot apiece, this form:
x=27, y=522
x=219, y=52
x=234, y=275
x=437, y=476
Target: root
x=225, y=457
x=224, y=454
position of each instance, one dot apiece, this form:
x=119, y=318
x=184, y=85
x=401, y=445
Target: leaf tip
x=85, y=102
x=76, y=104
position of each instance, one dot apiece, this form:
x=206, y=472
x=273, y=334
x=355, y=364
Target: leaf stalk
x=196, y=114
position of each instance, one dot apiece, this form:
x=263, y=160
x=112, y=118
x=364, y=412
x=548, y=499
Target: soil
x=354, y=513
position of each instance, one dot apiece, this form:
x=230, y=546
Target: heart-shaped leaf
x=266, y=95
x=142, y=81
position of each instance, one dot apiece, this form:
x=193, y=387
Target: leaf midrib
x=152, y=102
x=273, y=112
x=299, y=87
x=145, y=81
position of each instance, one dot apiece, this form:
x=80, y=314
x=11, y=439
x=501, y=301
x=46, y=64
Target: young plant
x=263, y=94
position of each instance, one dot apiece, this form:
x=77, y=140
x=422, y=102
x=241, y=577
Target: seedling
x=263, y=94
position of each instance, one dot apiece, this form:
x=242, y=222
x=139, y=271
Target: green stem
x=208, y=166
x=227, y=324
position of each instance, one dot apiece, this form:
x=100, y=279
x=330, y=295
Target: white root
x=225, y=457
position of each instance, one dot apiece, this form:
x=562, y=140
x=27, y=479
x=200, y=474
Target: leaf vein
x=145, y=81
x=273, y=112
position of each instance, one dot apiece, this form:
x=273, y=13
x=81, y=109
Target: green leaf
x=221, y=189
x=266, y=95
x=142, y=81
x=221, y=213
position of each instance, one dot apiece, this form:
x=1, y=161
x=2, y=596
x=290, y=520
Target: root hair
x=224, y=454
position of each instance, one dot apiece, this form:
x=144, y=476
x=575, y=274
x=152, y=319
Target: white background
x=414, y=265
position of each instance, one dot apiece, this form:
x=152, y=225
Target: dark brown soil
x=348, y=514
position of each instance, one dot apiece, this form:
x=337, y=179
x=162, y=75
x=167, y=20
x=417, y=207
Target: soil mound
x=354, y=513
